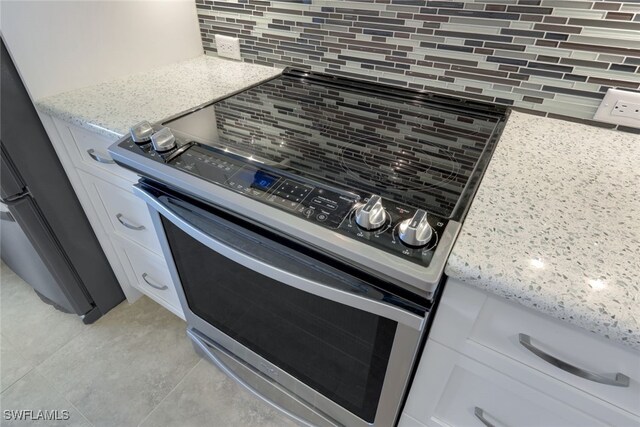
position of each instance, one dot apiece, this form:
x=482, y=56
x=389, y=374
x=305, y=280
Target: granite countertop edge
x=87, y=123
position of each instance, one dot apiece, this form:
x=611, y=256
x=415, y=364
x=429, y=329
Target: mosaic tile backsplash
x=555, y=57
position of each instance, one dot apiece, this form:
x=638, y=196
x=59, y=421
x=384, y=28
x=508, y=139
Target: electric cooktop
x=390, y=143
x=389, y=168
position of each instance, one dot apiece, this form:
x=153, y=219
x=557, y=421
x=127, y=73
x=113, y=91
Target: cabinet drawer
x=455, y=390
x=123, y=212
x=151, y=274
x=470, y=398
x=571, y=354
x=88, y=151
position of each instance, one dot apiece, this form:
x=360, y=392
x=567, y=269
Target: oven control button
x=163, y=140
x=141, y=133
x=371, y=215
x=415, y=231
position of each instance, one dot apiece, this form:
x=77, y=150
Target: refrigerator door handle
x=16, y=197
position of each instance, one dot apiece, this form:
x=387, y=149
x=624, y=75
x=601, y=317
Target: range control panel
x=387, y=225
x=389, y=236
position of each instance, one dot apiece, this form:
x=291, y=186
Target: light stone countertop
x=555, y=225
x=111, y=108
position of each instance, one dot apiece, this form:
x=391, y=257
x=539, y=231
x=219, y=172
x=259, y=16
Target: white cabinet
x=149, y=274
x=474, y=358
x=120, y=220
x=121, y=212
x=469, y=391
x=536, y=341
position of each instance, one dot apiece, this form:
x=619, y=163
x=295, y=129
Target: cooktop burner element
x=405, y=150
x=378, y=176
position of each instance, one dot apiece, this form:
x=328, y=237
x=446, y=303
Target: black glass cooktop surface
x=414, y=149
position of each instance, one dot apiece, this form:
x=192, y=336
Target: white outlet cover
x=228, y=47
x=627, y=109
x=603, y=114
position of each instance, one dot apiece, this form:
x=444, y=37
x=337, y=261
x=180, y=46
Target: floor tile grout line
x=170, y=391
x=54, y=388
x=48, y=381
x=37, y=372
x=37, y=365
x=78, y=335
x=79, y=411
x=83, y=331
x=20, y=351
x=22, y=376
x=60, y=348
x=16, y=381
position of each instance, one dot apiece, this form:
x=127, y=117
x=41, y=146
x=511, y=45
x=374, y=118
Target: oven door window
x=340, y=351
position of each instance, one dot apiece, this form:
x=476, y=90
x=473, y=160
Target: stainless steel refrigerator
x=45, y=236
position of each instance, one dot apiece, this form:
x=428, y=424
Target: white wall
x=63, y=45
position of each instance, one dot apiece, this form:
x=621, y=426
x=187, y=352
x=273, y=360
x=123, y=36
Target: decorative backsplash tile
x=554, y=57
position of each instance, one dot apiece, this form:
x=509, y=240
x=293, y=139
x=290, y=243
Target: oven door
x=323, y=345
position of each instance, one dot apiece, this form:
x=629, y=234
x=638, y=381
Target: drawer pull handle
x=620, y=380
x=479, y=413
x=128, y=225
x=160, y=288
x=92, y=153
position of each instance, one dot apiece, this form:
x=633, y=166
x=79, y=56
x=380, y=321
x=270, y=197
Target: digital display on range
x=263, y=181
x=250, y=179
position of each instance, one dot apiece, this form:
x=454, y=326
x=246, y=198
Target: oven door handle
x=319, y=289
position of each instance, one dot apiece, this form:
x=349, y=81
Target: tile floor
x=133, y=367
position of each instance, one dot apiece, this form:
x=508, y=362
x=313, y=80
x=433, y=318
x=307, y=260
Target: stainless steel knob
x=163, y=140
x=416, y=231
x=371, y=216
x=141, y=133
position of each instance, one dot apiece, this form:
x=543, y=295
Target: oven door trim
x=408, y=336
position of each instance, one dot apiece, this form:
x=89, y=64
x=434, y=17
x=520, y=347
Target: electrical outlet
x=626, y=109
x=621, y=107
x=228, y=47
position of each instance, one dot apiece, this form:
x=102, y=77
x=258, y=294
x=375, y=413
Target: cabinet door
x=122, y=212
x=454, y=390
x=469, y=320
x=129, y=226
x=150, y=274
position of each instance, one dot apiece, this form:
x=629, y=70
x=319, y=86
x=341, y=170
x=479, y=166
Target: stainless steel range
x=307, y=221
